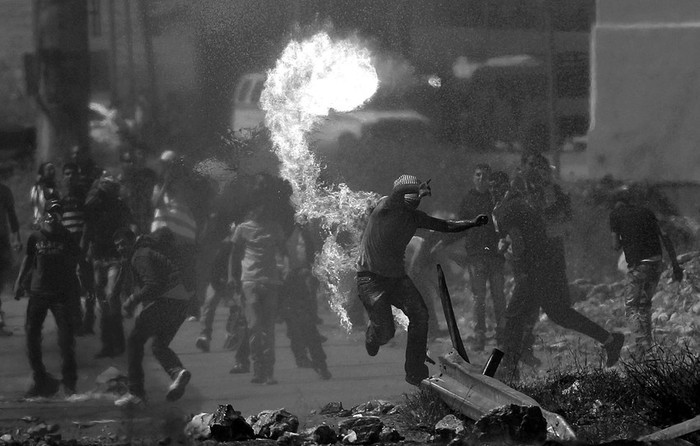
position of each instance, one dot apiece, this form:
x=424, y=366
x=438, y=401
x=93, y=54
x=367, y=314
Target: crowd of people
x=518, y=221
x=108, y=243
x=105, y=244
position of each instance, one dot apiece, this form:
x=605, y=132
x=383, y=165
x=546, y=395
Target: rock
x=38, y=431
x=350, y=438
x=273, y=423
x=198, y=427
x=6, y=438
x=332, y=408
x=512, y=423
x=372, y=407
x=366, y=429
x=227, y=424
x=449, y=427
x=390, y=435
x=321, y=434
x=290, y=439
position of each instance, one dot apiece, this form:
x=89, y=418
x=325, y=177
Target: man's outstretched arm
x=437, y=224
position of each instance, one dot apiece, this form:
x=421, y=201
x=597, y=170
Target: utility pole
x=129, y=32
x=146, y=27
x=63, y=76
x=553, y=133
x=113, y=77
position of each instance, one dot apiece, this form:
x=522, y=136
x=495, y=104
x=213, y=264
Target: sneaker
x=323, y=373
x=240, y=369
x=258, y=380
x=613, y=348
x=177, y=388
x=372, y=348
x=202, y=343
x=46, y=388
x=415, y=380
x=129, y=400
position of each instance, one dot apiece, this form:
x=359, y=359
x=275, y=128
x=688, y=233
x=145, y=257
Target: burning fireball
x=311, y=78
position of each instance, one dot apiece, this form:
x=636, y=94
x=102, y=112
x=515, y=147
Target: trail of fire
x=311, y=78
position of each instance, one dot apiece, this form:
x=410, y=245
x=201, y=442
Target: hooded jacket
x=157, y=270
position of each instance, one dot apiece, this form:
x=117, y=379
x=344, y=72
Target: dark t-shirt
x=103, y=216
x=515, y=213
x=54, y=258
x=639, y=232
x=7, y=212
x=483, y=239
x=389, y=229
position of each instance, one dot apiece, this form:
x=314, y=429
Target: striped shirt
x=177, y=216
x=73, y=217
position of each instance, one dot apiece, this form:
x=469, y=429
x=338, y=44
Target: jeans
x=298, y=308
x=378, y=294
x=159, y=320
x=485, y=270
x=111, y=324
x=261, y=311
x=640, y=288
x=37, y=309
x=211, y=300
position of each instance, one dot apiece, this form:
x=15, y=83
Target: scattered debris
x=449, y=427
x=227, y=424
x=361, y=430
x=273, y=423
x=512, y=423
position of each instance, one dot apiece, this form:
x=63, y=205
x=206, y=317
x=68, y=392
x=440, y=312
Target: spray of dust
x=311, y=78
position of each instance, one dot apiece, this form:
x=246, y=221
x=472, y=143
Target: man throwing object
x=381, y=277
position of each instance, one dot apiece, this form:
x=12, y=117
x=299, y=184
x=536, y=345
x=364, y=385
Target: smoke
x=311, y=78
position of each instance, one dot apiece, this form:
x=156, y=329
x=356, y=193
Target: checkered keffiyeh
x=406, y=179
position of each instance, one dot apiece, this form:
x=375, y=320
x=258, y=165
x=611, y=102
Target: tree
x=63, y=76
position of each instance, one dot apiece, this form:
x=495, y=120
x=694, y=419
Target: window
x=572, y=77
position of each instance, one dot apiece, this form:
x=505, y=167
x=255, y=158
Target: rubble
x=361, y=430
x=322, y=434
x=512, y=423
x=227, y=424
x=372, y=407
x=449, y=427
x=336, y=409
x=274, y=423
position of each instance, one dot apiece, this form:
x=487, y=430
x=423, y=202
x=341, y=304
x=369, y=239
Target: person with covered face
x=48, y=276
x=382, y=281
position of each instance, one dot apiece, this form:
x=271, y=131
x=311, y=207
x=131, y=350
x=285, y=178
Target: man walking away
x=537, y=283
x=636, y=231
x=48, y=275
x=381, y=277
x=484, y=262
x=105, y=213
x=165, y=291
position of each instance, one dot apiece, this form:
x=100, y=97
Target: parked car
x=337, y=129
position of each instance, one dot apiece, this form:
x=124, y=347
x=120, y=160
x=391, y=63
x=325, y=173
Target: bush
x=423, y=409
x=665, y=385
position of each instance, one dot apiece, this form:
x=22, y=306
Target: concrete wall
x=646, y=90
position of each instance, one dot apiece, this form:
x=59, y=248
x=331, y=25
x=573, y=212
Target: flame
x=310, y=79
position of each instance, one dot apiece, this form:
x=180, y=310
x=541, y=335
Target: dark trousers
x=261, y=301
x=540, y=287
x=378, y=294
x=211, y=300
x=37, y=309
x=298, y=308
x=487, y=270
x=111, y=325
x=159, y=320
